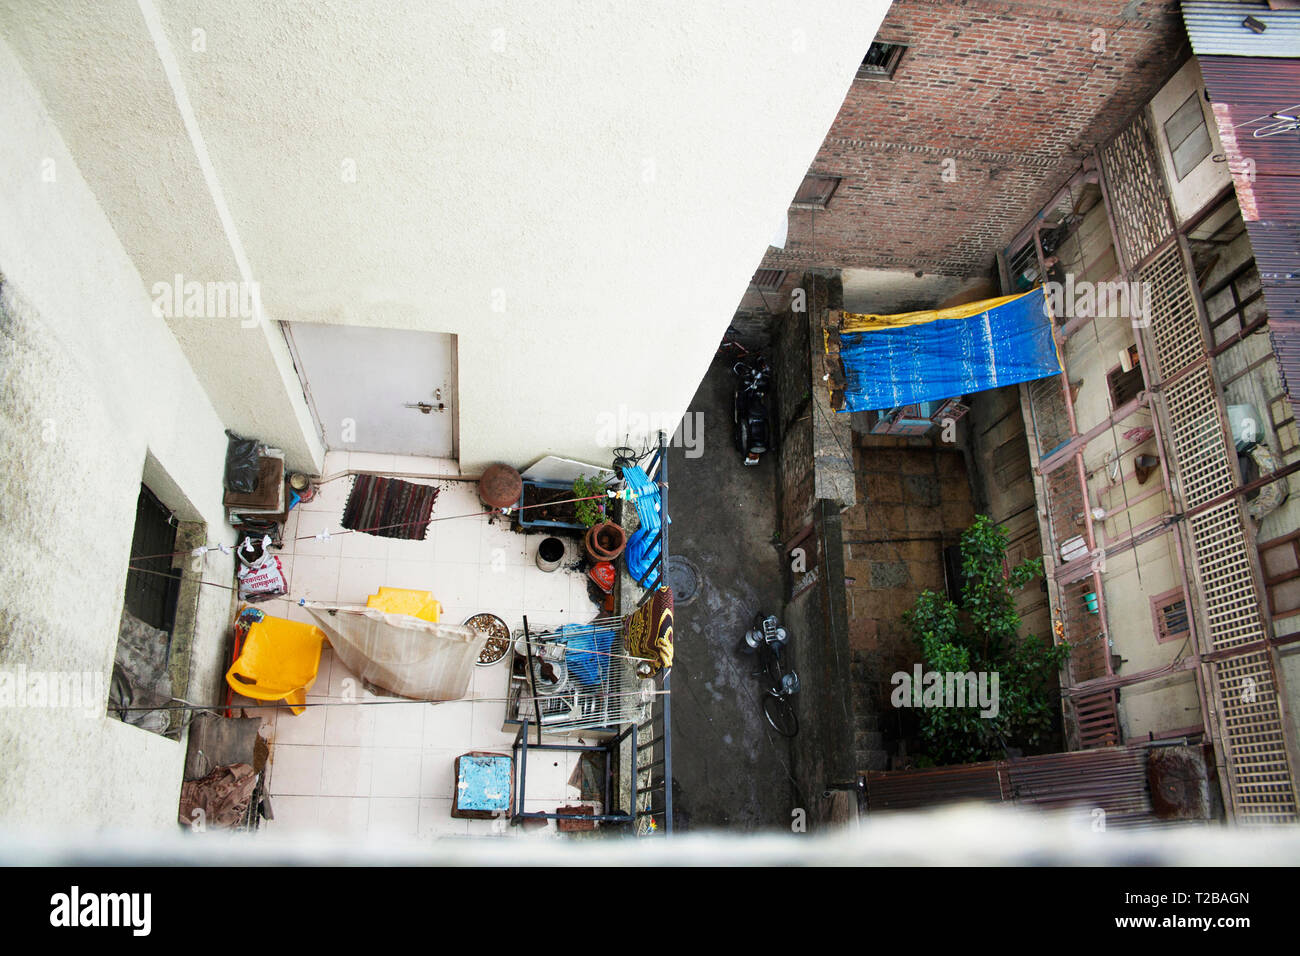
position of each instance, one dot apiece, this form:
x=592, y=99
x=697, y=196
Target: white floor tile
x=501, y=588
x=548, y=593
x=335, y=462
x=345, y=685
x=290, y=610
x=407, y=551
x=548, y=775
x=289, y=533
x=485, y=728
x=315, y=579
x=370, y=462
x=307, y=728
x=447, y=726
x=347, y=771
x=456, y=613
x=580, y=603
x=455, y=585
x=350, y=725
x=459, y=498
x=294, y=813
x=400, y=725
x=312, y=523
x=438, y=773
x=458, y=539
x=360, y=577
x=396, y=773
x=499, y=828
x=358, y=544
x=436, y=820
x=343, y=815
x=417, y=575
x=394, y=818
x=296, y=770
x=499, y=545
x=331, y=497
x=492, y=680
x=388, y=769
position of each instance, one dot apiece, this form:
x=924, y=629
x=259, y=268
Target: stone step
x=873, y=760
x=868, y=740
x=867, y=721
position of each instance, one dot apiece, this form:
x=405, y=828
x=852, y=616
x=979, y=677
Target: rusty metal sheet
x=1244, y=91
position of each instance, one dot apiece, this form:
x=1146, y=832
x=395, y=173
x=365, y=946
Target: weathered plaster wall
x=91, y=385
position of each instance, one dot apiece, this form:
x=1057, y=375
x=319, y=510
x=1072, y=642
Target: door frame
x=286, y=328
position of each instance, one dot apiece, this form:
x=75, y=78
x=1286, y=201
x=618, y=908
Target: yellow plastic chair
x=406, y=601
x=278, y=661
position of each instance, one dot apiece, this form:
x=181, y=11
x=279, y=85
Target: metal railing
x=656, y=470
x=653, y=753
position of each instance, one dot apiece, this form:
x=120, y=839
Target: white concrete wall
x=887, y=291
x=91, y=383
x=581, y=192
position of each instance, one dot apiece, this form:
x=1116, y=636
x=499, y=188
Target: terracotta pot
x=605, y=541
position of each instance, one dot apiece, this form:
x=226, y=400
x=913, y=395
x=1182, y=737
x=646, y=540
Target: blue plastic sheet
x=588, y=652
x=947, y=358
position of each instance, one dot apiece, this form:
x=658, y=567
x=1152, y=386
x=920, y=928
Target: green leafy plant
x=983, y=636
x=589, y=513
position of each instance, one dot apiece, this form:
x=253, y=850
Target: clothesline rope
x=599, y=625
x=378, y=701
x=324, y=535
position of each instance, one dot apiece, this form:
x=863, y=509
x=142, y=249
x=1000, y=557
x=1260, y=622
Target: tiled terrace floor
x=364, y=766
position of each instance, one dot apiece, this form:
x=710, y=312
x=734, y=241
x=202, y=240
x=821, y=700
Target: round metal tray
x=509, y=639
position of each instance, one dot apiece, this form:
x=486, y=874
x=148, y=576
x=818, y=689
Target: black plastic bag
x=241, y=463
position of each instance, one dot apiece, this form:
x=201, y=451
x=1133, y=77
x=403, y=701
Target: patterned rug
x=389, y=507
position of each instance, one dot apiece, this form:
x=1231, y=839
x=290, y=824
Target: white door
x=390, y=391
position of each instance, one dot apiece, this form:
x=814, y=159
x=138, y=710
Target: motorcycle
x=753, y=431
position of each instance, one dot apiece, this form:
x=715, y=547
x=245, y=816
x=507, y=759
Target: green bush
x=983, y=636
x=589, y=513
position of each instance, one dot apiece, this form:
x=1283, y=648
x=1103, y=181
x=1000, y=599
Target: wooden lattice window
x=769, y=280
x=1125, y=386
x=1171, y=617
x=881, y=61
x=816, y=191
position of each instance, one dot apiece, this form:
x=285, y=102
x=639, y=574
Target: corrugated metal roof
x=913, y=789
x=1215, y=28
x=1113, y=779
x=1243, y=92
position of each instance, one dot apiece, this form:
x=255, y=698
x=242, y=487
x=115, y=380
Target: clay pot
x=500, y=487
x=605, y=541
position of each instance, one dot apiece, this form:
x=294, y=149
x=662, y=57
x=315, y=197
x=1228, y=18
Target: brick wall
x=1012, y=93
x=917, y=500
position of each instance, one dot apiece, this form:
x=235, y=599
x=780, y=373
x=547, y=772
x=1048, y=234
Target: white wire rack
x=584, y=678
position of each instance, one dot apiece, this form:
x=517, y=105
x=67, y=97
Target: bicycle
x=766, y=640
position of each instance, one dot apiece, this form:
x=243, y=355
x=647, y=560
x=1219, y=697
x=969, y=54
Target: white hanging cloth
x=402, y=654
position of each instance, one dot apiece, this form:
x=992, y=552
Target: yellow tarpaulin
x=860, y=322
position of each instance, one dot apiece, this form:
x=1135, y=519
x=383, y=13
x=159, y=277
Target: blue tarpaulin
x=891, y=361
